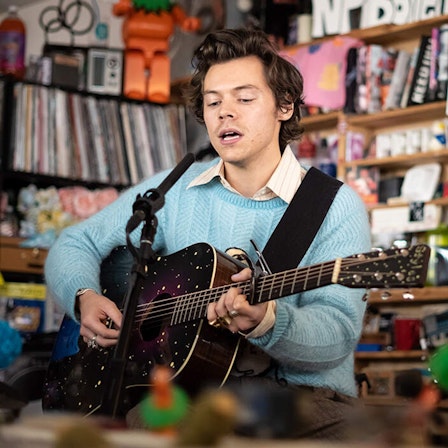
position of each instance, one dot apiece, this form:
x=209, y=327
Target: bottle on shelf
x=12, y=44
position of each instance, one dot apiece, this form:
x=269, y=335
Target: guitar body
x=169, y=327
x=76, y=372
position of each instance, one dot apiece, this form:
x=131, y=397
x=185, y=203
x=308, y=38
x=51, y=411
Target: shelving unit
x=155, y=130
x=400, y=37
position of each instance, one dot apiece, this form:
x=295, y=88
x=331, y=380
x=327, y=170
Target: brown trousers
x=289, y=411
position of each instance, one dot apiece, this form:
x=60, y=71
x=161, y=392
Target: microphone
x=153, y=199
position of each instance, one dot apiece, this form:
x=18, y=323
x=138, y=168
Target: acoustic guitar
x=170, y=326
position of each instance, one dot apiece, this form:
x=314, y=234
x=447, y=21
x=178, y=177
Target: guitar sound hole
x=156, y=318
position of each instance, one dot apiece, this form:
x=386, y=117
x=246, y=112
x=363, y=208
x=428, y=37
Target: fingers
x=243, y=275
x=96, y=341
x=233, y=312
x=100, y=321
x=229, y=311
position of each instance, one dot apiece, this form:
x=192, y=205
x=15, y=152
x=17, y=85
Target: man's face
x=240, y=113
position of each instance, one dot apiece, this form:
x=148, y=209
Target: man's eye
x=246, y=100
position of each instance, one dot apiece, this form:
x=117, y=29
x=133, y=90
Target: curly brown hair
x=283, y=78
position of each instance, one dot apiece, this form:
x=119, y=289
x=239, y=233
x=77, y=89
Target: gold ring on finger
x=225, y=320
x=215, y=323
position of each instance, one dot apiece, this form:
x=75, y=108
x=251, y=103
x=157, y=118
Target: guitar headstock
x=391, y=268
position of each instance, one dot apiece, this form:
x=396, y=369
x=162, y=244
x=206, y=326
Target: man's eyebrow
x=235, y=89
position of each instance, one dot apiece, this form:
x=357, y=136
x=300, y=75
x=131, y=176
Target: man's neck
x=247, y=181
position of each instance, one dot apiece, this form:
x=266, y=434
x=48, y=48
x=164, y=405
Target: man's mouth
x=229, y=135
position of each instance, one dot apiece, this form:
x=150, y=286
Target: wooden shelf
x=399, y=117
x=387, y=34
x=393, y=355
x=443, y=202
x=402, y=160
x=321, y=121
x=422, y=296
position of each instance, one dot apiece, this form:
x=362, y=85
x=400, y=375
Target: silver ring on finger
x=233, y=313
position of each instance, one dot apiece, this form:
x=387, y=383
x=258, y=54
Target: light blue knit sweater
x=315, y=332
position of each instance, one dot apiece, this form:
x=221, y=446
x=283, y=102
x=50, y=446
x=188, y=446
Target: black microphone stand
x=144, y=210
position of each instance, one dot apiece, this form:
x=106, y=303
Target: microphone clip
x=151, y=201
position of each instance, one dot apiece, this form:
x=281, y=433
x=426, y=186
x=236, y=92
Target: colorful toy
x=438, y=366
x=147, y=27
x=11, y=346
x=212, y=416
x=166, y=405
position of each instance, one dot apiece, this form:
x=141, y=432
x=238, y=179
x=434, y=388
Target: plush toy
x=166, y=404
x=147, y=28
x=11, y=346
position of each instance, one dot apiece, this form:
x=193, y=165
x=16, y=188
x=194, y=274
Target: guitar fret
x=306, y=278
x=282, y=283
x=294, y=282
x=201, y=307
x=320, y=274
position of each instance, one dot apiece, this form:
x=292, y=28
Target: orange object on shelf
x=146, y=37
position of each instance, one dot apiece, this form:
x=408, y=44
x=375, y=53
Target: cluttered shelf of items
x=402, y=160
x=372, y=135
x=13, y=258
x=420, y=296
x=385, y=34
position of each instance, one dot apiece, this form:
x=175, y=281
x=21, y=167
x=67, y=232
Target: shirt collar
x=283, y=183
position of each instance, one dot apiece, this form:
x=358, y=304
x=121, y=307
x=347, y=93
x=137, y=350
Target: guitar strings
x=279, y=279
x=192, y=306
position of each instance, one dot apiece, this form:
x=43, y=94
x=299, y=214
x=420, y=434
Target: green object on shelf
x=437, y=240
x=162, y=417
x=438, y=366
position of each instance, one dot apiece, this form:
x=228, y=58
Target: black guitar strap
x=301, y=221
x=287, y=246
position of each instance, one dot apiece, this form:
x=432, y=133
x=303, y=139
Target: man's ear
x=285, y=112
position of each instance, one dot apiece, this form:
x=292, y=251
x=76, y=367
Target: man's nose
x=226, y=111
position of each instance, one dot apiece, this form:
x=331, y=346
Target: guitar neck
x=392, y=268
x=267, y=287
x=278, y=285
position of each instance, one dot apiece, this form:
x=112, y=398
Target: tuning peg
x=385, y=295
x=404, y=252
x=408, y=295
x=379, y=251
x=366, y=296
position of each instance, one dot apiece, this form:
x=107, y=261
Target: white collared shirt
x=283, y=183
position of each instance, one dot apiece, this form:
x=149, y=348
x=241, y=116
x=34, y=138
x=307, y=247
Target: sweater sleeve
x=74, y=260
x=319, y=329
